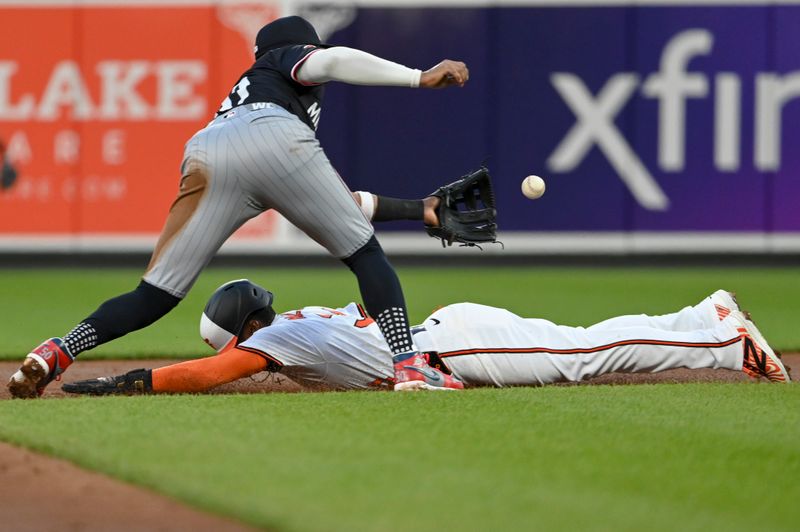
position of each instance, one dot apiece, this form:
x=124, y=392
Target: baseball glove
x=466, y=213
x=134, y=382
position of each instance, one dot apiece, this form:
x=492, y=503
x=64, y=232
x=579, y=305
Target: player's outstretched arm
x=192, y=376
x=463, y=211
x=357, y=67
x=203, y=374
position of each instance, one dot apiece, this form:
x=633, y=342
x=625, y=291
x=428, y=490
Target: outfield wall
x=659, y=126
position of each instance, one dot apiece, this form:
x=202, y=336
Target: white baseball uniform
x=486, y=346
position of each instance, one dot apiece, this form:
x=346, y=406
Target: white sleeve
x=355, y=67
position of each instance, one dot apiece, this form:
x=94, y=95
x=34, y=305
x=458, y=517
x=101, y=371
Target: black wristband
x=389, y=209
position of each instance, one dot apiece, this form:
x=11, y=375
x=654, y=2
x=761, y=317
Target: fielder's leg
x=210, y=206
x=299, y=182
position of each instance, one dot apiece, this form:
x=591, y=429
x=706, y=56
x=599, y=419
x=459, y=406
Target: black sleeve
x=288, y=59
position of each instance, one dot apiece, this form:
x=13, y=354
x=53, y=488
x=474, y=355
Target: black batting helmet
x=228, y=310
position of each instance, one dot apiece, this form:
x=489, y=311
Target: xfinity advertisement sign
x=656, y=126
x=671, y=87
x=666, y=119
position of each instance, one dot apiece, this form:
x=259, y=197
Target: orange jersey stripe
x=523, y=350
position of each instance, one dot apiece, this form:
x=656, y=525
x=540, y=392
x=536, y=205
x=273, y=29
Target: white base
x=414, y=386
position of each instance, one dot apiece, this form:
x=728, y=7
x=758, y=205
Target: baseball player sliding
x=343, y=348
x=260, y=152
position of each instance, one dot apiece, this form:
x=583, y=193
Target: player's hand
x=445, y=74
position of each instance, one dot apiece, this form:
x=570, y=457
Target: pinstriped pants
x=253, y=158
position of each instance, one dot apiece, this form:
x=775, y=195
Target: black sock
x=119, y=316
x=382, y=294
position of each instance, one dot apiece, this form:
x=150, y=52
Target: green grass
x=657, y=457
x=37, y=304
x=663, y=457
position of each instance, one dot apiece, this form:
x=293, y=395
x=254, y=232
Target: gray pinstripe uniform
x=255, y=157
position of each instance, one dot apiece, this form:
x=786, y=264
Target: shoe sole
x=413, y=386
x=24, y=383
x=759, y=339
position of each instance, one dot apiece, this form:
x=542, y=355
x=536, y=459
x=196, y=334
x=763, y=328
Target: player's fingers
x=460, y=72
x=448, y=73
x=455, y=74
x=451, y=78
x=447, y=67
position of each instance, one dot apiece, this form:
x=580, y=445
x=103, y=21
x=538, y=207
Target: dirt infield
x=88, y=501
x=261, y=383
x=43, y=493
x=264, y=383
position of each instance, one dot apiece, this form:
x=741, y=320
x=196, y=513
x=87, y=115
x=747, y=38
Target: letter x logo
x=595, y=125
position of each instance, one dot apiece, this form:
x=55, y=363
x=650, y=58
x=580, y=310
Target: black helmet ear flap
x=228, y=310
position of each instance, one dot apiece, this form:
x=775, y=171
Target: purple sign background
x=402, y=142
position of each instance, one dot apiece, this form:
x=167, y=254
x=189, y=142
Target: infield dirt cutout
x=43, y=493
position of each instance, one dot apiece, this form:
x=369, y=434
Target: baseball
x=533, y=187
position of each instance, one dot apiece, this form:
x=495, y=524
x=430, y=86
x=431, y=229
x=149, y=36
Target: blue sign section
x=784, y=184
x=694, y=116
x=639, y=118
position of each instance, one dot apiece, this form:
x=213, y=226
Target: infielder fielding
x=260, y=152
x=482, y=346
